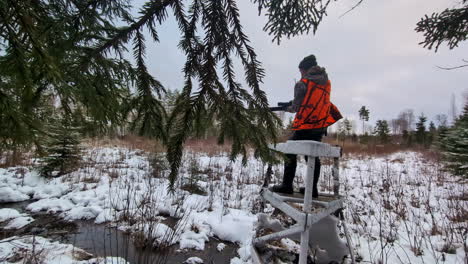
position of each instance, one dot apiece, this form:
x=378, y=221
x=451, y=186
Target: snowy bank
x=30, y=249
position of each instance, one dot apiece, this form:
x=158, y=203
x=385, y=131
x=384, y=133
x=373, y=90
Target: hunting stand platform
x=304, y=209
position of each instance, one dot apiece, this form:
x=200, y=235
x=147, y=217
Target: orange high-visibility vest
x=316, y=110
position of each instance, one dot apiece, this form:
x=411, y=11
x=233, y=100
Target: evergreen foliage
x=421, y=130
x=451, y=26
x=441, y=134
x=74, y=51
x=47, y=51
x=382, y=131
x=364, y=116
x=288, y=18
x=432, y=134
x=62, y=151
x=407, y=138
x=454, y=145
x=432, y=127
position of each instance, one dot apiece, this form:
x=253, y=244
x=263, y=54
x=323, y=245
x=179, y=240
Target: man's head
x=307, y=63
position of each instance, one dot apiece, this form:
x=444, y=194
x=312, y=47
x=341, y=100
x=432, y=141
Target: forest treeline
x=408, y=131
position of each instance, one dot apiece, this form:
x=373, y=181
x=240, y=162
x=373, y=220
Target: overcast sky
x=371, y=54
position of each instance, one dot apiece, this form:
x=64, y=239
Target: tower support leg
x=307, y=208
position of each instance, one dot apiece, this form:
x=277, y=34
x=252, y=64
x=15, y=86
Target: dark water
x=104, y=241
x=20, y=206
x=101, y=240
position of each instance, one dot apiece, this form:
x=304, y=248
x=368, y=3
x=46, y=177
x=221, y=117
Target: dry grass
x=131, y=142
x=379, y=150
x=15, y=158
x=354, y=148
x=209, y=146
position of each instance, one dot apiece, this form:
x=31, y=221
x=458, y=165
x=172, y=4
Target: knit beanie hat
x=308, y=62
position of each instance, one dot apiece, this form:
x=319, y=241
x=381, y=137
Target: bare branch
x=455, y=67
x=352, y=8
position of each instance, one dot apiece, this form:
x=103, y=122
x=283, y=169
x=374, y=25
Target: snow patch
x=8, y=195
x=83, y=213
x=194, y=260
x=193, y=240
x=51, y=205
x=8, y=213
x=220, y=247
x=19, y=222
x=22, y=249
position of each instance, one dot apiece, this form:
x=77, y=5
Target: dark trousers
x=290, y=163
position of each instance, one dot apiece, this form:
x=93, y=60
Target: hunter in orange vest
x=314, y=113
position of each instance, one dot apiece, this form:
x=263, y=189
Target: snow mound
x=191, y=239
x=51, y=191
x=51, y=205
x=24, y=249
x=220, y=247
x=8, y=213
x=16, y=219
x=83, y=213
x=8, y=195
x=19, y=222
x=194, y=260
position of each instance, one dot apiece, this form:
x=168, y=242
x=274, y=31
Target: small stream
x=101, y=240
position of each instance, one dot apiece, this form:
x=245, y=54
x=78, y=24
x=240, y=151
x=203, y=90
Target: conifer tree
x=62, y=151
x=364, y=116
x=382, y=131
x=454, y=145
x=421, y=130
x=432, y=127
x=76, y=51
x=432, y=134
x=407, y=138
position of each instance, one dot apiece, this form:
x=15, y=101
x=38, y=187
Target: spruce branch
x=289, y=18
x=450, y=26
x=150, y=12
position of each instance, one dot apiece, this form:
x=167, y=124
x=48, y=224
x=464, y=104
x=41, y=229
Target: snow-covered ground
x=34, y=249
x=400, y=208
x=405, y=209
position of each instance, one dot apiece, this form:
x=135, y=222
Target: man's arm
x=300, y=90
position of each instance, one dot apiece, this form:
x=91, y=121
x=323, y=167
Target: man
x=314, y=113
